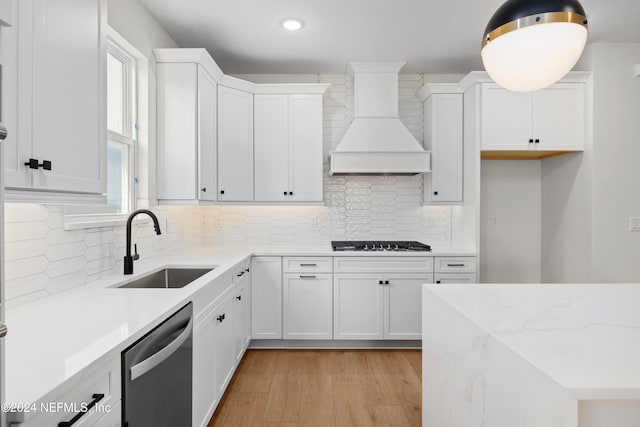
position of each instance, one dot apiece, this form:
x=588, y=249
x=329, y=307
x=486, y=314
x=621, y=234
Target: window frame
x=134, y=62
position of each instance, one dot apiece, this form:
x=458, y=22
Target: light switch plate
x=634, y=223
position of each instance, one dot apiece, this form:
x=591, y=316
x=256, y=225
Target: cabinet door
x=266, y=297
x=207, y=136
x=205, y=394
x=247, y=309
x=454, y=278
x=403, y=305
x=443, y=124
x=358, y=306
x=17, y=146
x=224, y=354
x=271, y=148
x=238, y=321
x=305, y=149
x=506, y=119
x=559, y=117
x=307, y=306
x=113, y=418
x=177, y=112
x=68, y=72
x=235, y=145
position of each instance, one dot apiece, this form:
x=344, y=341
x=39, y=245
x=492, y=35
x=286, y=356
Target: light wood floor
x=324, y=388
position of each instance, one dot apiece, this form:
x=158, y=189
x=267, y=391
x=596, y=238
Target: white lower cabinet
x=219, y=341
x=379, y=297
x=358, y=306
x=266, y=297
x=113, y=418
x=239, y=308
x=224, y=360
x=378, y=306
x=205, y=396
x=403, y=305
x=307, y=305
x=99, y=384
x=455, y=270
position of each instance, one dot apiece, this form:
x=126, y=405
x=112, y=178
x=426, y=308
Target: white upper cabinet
x=551, y=119
x=271, y=147
x=305, y=148
x=288, y=148
x=61, y=97
x=186, y=132
x=235, y=145
x=443, y=124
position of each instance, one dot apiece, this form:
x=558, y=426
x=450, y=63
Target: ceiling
x=433, y=36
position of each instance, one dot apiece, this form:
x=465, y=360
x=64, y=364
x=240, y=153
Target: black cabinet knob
x=435, y=193
x=221, y=191
x=386, y=282
x=531, y=141
x=239, y=297
x=204, y=190
x=379, y=282
x=285, y=193
x=537, y=141
x=437, y=281
x=35, y=164
x=291, y=193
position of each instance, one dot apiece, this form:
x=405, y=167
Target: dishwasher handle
x=154, y=360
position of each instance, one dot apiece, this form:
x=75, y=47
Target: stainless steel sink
x=168, y=278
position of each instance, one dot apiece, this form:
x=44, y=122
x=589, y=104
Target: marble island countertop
x=530, y=355
x=52, y=340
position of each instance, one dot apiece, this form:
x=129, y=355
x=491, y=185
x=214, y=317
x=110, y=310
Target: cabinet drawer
x=454, y=278
x=103, y=380
x=382, y=264
x=307, y=265
x=455, y=265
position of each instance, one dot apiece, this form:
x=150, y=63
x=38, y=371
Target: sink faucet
x=128, y=259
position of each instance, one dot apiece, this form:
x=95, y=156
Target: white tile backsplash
x=42, y=258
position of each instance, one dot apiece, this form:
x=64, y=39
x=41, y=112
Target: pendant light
x=531, y=44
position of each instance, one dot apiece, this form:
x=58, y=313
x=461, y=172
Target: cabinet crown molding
x=202, y=57
x=475, y=77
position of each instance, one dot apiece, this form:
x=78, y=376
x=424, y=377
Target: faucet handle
x=135, y=252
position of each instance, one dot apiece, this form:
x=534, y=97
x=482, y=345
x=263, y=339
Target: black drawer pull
x=455, y=265
x=308, y=265
x=220, y=318
x=246, y=270
x=97, y=397
x=437, y=281
x=204, y=190
x=239, y=297
x=241, y=274
x=308, y=277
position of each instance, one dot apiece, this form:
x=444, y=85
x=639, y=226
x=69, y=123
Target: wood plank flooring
x=324, y=388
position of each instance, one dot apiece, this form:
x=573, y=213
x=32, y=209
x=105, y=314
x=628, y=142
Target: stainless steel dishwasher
x=157, y=375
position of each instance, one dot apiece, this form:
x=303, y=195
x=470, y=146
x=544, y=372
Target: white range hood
x=377, y=143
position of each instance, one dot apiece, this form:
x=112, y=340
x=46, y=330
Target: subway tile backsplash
x=42, y=258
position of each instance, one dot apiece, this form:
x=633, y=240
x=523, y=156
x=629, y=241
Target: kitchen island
x=531, y=355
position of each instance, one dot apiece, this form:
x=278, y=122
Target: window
x=122, y=107
x=121, y=127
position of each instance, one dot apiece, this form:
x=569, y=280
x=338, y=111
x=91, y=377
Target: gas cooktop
x=384, y=245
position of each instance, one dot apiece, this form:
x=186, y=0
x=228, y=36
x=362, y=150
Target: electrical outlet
x=634, y=223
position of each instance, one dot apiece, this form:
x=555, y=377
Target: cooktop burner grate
x=380, y=245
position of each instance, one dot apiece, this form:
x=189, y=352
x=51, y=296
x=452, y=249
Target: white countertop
x=52, y=340
x=585, y=337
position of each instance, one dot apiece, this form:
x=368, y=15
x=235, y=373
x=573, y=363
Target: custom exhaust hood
x=377, y=143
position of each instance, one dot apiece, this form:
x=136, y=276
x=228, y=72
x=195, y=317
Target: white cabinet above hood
x=377, y=143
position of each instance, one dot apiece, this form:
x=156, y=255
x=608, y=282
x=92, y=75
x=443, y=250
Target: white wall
x=588, y=199
x=510, y=221
x=134, y=23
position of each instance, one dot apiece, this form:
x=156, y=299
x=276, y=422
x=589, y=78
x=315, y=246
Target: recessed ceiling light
x=292, y=24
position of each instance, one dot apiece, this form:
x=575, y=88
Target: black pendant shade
x=513, y=10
